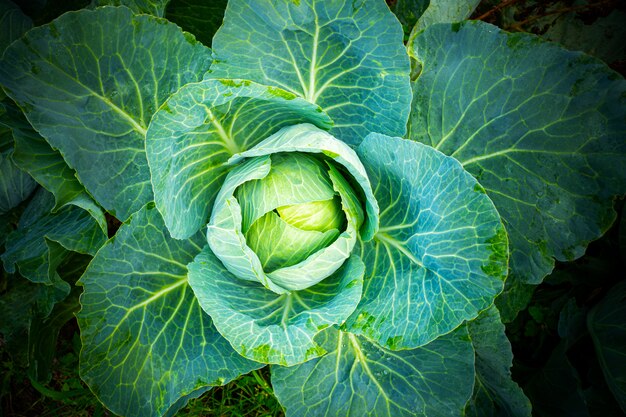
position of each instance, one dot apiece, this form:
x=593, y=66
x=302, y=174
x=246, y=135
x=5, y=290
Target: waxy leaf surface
x=541, y=128
x=440, y=254
x=358, y=378
x=346, y=57
x=146, y=341
x=35, y=156
x=199, y=128
x=269, y=327
x=90, y=81
x=42, y=239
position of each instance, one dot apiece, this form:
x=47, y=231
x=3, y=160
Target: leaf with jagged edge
x=440, y=254
x=43, y=239
x=200, y=17
x=357, y=378
x=444, y=11
x=541, y=128
x=34, y=155
x=495, y=393
x=147, y=345
x=153, y=7
x=346, y=57
x=89, y=83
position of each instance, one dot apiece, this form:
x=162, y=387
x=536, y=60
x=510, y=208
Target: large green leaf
x=153, y=7
x=541, y=128
x=444, y=11
x=357, y=378
x=34, y=155
x=90, y=81
x=495, y=393
x=13, y=24
x=200, y=17
x=199, y=128
x=608, y=331
x=440, y=254
x=270, y=327
x=43, y=239
x=146, y=341
x=15, y=184
x=347, y=57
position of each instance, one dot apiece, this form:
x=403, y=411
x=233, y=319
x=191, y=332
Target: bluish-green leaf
x=200, y=17
x=608, y=331
x=35, y=156
x=444, y=11
x=359, y=379
x=270, y=327
x=540, y=127
x=199, y=128
x=440, y=254
x=146, y=341
x=90, y=81
x=347, y=57
x=43, y=239
x=153, y=7
x=495, y=393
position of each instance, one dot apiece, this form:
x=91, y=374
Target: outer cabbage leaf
x=200, y=17
x=153, y=7
x=199, y=128
x=146, y=341
x=444, y=11
x=347, y=57
x=440, y=254
x=15, y=184
x=90, y=81
x=34, y=155
x=540, y=127
x=269, y=327
x=358, y=378
x=608, y=332
x=495, y=393
x=42, y=240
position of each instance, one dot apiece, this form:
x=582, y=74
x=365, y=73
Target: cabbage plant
x=309, y=193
